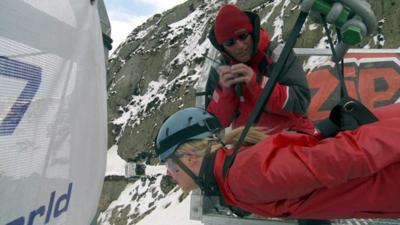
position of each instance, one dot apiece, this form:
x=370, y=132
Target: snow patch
x=313, y=26
x=317, y=61
x=141, y=196
x=115, y=164
x=155, y=170
x=177, y=213
x=278, y=23
x=274, y=5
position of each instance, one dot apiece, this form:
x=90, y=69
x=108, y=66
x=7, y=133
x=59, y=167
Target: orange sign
x=373, y=79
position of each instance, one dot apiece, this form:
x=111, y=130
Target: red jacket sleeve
x=224, y=105
x=278, y=99
x=289, y=165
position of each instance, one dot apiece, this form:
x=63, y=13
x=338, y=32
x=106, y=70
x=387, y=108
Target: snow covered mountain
x=156, y=71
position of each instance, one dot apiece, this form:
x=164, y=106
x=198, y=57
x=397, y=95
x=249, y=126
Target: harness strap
x=349, y=113
x=276, y=72
x=188, y=171
x=206, y=175
x=210, y=186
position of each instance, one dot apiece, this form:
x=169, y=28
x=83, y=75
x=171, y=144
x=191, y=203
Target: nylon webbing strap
x=349, y=113
x=276, y=72
x=210, y=124
x=339, y=70
x=361, y=113
x=187, y=170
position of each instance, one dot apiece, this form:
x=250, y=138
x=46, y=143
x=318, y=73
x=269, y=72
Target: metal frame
x=201, y=207
x=328, y=52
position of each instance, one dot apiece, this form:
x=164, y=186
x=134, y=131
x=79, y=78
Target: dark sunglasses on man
x=232, y=41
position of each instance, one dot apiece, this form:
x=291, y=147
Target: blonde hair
x=255, y=135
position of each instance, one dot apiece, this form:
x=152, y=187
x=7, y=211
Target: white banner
x=53, y=125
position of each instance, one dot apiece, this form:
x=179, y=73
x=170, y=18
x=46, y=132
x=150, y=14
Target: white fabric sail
x=53, y=122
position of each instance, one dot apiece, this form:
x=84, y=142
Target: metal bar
x=327, y=52
x=225, y=220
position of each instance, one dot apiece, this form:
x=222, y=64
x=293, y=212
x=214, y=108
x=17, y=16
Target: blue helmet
x=185, y=125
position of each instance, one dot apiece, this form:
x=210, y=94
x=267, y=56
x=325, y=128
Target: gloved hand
x=229, y=76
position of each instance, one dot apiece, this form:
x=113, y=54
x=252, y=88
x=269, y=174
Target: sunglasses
x=232, y=41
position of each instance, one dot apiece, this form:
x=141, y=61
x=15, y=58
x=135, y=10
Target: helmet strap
x=188, y=171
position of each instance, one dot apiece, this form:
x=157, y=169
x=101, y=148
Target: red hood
x=263, y=44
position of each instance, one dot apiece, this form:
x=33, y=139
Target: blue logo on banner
x=54, y=209
x=23, y=71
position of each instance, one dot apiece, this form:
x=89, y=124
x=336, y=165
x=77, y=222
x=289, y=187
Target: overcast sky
x=125, y=15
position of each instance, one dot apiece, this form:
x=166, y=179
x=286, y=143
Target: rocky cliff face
x=156, y=70
x=162, y=60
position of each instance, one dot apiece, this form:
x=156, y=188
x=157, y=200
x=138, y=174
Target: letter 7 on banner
x=13, y=108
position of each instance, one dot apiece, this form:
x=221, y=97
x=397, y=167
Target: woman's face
x=239, y=47
x=184, y=181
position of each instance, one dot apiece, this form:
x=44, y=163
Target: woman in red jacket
x=355, y=174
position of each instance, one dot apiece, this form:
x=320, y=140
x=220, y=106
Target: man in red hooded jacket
x=249, y=57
